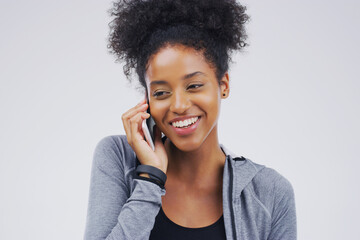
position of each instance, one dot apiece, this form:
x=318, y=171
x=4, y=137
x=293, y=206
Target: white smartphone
x=148, y=130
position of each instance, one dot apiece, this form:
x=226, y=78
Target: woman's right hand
x=132, y=120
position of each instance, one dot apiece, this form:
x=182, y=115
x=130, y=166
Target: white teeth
x=185, y=123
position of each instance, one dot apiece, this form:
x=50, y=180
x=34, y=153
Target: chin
x=186, y=144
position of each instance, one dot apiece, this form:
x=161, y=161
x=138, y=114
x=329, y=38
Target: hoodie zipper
x=231, y=198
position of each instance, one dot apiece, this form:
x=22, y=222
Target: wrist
x=163, y=169
x=151, y=172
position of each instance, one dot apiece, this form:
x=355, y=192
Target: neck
x=199, y=168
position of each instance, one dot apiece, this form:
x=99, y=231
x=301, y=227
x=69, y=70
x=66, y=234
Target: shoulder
x=113, y=142
x=114, y=151
x=271, y=189
x=268, y=178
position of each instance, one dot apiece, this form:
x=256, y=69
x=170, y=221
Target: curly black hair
x=140, y=28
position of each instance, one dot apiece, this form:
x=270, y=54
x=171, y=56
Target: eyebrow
x=187, y=76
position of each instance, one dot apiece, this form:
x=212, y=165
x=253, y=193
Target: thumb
x=160, y=149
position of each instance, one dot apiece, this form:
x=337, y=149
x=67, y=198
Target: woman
x=191, y=187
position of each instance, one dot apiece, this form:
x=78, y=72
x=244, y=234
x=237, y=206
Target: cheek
x=158, y=111
x=210, y=101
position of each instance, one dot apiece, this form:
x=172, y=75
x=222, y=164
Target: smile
x=185, y=127
x=186, y=123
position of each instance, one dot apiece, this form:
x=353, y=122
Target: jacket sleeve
x=283, y=223
x=113, y=212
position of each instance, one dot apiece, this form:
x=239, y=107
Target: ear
x=224, y=86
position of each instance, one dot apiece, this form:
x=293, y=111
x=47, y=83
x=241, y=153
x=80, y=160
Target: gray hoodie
x=258, y=203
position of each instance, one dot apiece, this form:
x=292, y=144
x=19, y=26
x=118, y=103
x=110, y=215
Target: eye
x=159, y=94
x=194, y=86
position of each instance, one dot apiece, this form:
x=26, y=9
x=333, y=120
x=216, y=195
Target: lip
x=185, y=131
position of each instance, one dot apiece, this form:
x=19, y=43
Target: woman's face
x=184, y=96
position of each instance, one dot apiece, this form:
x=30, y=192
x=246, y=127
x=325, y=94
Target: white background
x=294, y=106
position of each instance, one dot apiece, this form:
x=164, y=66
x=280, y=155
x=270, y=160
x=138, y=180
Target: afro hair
x=140, y=28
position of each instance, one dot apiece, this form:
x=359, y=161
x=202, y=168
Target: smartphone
x=148, y=129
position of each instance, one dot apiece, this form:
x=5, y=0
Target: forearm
x=117, y=210
x=137, y=216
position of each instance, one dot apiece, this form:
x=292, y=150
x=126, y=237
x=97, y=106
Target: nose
x=180, y=102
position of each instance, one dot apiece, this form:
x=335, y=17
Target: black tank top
x=165, y=229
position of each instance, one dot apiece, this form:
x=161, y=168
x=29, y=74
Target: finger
x=126, y=125
x=160, y=149
x=132, y=111
x=129, y=114
x=135, y=109
x=142, y=101
x=135, y=125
